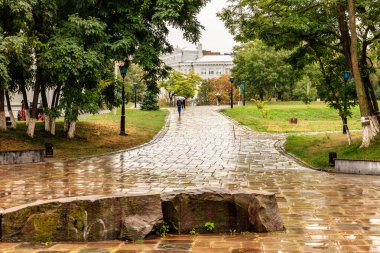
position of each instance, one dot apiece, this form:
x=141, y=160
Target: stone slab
x=366, y=167
x=21, y=156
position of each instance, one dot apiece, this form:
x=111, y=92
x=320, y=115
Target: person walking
x=179, y=107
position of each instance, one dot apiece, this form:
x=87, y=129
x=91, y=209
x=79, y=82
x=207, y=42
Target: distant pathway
x=321, y=211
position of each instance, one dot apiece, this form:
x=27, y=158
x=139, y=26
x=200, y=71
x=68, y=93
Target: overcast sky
x=215, y=37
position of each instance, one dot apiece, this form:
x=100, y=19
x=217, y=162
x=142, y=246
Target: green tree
x=308, y=27
x=81, y=73
x=262, y=67
x=204, y=93
x=179, y=84
x=4, y=78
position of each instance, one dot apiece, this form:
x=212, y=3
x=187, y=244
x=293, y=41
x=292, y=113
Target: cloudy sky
x=215, y=37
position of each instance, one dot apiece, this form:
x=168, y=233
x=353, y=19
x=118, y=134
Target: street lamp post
x=243, y=93
x=135, y=86
x=346, y=77
x=232, y=91
x=123, y=73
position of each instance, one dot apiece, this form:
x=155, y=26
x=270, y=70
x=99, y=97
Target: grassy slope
x=315, y=149
x=95, y=135
x=316, y=117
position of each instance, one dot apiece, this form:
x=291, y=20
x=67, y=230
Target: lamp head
x=123, y=70
x=346, y=75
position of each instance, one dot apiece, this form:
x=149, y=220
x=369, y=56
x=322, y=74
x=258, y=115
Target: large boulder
x=133, y=217
x=140, y=216
x=82, y=219
x=239, y=211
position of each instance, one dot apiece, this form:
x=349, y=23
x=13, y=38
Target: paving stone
x=246, y=160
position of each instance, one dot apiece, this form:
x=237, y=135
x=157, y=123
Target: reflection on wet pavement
x=322, y=212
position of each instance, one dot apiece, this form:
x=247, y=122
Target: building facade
x=207, y=64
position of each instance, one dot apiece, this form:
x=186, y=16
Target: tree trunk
x=26, y=104
x=47, y=122
x=45, y=106
x=13, y=120
x=3, y=122
x=52, y=126
x=65, y=126
x=71, y=132
x=344, y=120
x=33, y=115
x=57, y=96
x=370, y=123
x=261, y=96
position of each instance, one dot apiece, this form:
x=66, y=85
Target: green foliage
x=262, y=67
x=209, y=226
x=306, y=93
x=163, y=230
x=150, y=102
x=193, y=231
x=204, y=93
x=259, y=104
x=179, y=84
x=75, y=44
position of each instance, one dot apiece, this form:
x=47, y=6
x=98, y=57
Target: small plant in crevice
x=193, y=231
x=163, y=230
x=209, y=226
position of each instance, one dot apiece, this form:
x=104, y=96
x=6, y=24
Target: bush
x=149, y=102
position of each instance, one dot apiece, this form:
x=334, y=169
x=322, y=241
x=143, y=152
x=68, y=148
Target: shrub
x=149, y=102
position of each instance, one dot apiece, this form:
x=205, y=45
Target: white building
x=207, y=64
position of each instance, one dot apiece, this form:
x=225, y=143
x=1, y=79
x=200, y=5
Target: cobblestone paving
x=322, y=212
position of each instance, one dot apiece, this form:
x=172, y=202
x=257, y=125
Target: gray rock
x=80, y=219
x=241, y=211
x=134, y=217
x=140, y=216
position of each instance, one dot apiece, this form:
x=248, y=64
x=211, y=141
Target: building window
x=211, y=71
x=203, y=72
x=227, y=71
x=218, y=71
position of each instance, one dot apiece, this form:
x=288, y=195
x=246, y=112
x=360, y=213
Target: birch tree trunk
x=3, y=123
x=47, y=122
x=33, y=116
x=10, y=112
x=45, y=106
x=65, y=125
x=370, y=123
x=52, y=126
x=71, y=132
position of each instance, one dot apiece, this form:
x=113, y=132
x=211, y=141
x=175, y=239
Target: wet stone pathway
x=322, y=212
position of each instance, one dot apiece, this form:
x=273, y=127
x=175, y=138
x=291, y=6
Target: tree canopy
x=74, y=45
x=314, y=30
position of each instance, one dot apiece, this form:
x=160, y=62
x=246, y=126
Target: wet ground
x=322, y=212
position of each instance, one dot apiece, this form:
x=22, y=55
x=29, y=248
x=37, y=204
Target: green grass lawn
x=316, y=117
x=314, y=149
x=97, y=134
